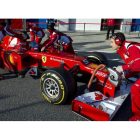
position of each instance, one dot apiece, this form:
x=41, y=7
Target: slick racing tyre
x=57, y=85
x=97, y=58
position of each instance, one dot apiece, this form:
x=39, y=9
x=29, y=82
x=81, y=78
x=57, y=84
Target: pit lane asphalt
x=21, y=99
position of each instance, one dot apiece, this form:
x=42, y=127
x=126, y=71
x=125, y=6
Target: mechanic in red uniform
x=35, y=31
x=111, y=25
x=130, y=53
x=6, y=30
x=58, y=38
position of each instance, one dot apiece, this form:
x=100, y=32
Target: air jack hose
x=93, y=74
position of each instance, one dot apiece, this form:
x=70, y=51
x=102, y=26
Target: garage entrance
x=117, y=26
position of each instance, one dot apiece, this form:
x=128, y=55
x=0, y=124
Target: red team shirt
x=131, y=55
x=35, y=30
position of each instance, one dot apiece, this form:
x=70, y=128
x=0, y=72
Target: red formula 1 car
x=57, y=69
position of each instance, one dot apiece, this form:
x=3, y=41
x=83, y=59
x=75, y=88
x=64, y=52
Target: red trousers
x=38, y=40
x=135, y=97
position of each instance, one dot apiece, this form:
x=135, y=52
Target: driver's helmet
x=34, y=46
x=50, y=27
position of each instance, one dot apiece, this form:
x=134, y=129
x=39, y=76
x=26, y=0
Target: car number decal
x=85, y=61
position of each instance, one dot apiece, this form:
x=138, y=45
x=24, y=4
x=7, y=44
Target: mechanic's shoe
x=106, y=39
x=134, y=118
x=1, y=76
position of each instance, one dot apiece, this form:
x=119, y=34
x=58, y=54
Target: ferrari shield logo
x=44, y=59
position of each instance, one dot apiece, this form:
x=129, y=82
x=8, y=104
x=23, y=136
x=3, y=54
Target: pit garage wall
x=79, y=27
x=126, y=28
x=63, y=26
x=88, y=27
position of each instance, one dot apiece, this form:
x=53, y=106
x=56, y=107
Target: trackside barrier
x=128, y=23
x=139, y=32
x=59, y=23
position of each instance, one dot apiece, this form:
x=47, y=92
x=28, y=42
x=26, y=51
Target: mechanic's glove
x=114, y=67
x=43, y=48
x=123, y=76
x=119, y=69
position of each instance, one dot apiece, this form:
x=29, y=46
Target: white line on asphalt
x=94, y=51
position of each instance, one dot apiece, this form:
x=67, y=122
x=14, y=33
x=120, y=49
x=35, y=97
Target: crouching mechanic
x=58, y=38
x=130, y=53
x=4, y=30
x=35, y=31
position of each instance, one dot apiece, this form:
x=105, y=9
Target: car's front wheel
x=57, y=85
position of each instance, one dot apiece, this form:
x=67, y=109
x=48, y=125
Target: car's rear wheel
x=57, y=85
x=95, y=58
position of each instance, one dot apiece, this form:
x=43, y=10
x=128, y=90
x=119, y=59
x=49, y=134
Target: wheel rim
x=51, y=88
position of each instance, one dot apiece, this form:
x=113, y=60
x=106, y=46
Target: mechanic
x=130, y=53
x=58, y=38
x=35, y=31
x=6, y=30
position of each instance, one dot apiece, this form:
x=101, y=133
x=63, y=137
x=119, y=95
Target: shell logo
x=105, y=70
x=93, y=66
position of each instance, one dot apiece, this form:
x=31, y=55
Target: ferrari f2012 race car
x=58, y=69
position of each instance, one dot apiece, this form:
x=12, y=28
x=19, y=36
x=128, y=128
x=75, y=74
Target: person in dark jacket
x=111, y=25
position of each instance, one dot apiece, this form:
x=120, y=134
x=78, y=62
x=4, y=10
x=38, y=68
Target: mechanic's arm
x=49, y=42
x=134, y=65
x=32, y=35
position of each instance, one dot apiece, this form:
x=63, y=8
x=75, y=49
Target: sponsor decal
x=100, y=74
x=93, y=66
x=105, y=70
x=44, y=59
x=58, y=60
x=98, y=96
x=100, y=107
x=55, y=76
x=106, y=85
x=11, y=59
x=10, y=39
